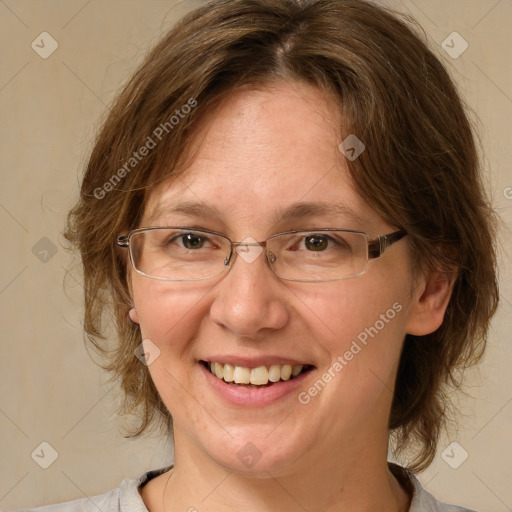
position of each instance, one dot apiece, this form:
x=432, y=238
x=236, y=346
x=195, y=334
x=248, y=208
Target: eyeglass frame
x=376, y=249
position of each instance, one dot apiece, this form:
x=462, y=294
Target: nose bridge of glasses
x=248, y=255
x=251, y=242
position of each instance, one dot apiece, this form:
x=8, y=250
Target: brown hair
x=420, y=171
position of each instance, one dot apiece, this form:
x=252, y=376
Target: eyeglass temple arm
x=377, y=247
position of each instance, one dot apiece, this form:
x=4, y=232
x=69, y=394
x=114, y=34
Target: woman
x=284, y=213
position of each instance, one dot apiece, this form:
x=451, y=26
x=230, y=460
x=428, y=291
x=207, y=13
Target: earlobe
x=428, y=310
x=134, y=317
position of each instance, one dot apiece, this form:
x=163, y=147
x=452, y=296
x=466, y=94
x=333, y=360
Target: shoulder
x=125, y=498
x=108, y=502
x=423, y=501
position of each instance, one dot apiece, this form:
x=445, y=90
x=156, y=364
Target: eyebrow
x=316, y=209
x=188, y=208
x=295, y=211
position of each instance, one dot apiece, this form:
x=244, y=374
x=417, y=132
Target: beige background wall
x=50, y=390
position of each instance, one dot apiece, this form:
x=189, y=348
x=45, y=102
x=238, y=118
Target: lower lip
x=253, y=396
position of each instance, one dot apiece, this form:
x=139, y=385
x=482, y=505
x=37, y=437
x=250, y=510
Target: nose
x=250, y=298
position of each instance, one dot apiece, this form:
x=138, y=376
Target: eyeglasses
x=184, y=254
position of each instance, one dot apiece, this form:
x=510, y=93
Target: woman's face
x=259, y=157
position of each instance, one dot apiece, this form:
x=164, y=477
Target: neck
x=355, y=479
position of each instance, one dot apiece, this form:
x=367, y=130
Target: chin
x=253, y=453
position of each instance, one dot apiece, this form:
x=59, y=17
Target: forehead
x=263, y=154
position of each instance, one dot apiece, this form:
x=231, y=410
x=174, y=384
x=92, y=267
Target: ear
x=432, y=296
x=134, y=317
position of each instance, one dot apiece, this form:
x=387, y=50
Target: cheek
x=360, y=325
x=361, y=334
x=344, y=310
x=168, y=314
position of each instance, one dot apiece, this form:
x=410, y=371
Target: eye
x=316, y=242
x=319, y=243
x=190, y=240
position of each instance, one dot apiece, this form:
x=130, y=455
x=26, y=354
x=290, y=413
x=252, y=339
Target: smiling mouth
x=260, y=376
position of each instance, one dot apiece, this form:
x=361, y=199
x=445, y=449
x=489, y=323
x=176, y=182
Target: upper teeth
x=258, y=376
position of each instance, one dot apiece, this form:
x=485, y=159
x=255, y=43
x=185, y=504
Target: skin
x=262, y=150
